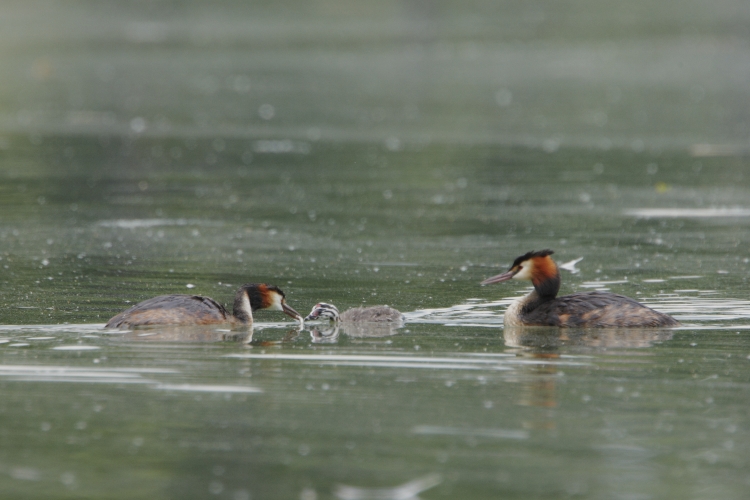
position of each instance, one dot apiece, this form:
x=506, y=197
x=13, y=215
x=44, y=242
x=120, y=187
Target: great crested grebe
x=542, y=307
x=197, y=310
x=374, y=314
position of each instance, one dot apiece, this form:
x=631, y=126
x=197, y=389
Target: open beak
x=291, y=312
x=499, y=278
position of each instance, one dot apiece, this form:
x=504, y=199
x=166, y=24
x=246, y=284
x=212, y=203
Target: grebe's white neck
x=243, y=311
x=519, y=307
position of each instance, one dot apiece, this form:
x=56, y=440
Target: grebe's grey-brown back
x=197, y=310
x=374, y=314
x=542, y=307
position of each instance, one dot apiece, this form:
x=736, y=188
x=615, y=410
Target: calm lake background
x=373, y=153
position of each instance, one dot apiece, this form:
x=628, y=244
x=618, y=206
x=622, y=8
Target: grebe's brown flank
x=198, y=310
x=542, y=307
x=374, y=314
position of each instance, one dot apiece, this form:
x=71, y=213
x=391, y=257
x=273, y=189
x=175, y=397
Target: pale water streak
x=76, y=348
x=361, y=358
x=49, y=329
x=472, y=361
x=42, y=373
x=434, y=430
x=384, y=361
x=68, y=374
x=148, y=223
x=688, y=213
x=406, y=491
x=227, y=389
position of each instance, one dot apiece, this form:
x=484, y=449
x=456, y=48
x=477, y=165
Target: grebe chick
x=197, y=310
x=374, y=314
x=542, y=307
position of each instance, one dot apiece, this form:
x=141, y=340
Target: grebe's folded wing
x=596, y=309
x=171, y=309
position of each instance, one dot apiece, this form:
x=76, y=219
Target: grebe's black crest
x=530, y=255
x=542, y=307
x=198, y=310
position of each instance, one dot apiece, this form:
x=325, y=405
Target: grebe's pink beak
x=291, y=312
x=499, y=278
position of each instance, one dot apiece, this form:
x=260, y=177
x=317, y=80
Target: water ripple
x=472, y=361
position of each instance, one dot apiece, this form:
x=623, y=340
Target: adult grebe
x=582, y=310
x=197, y=310
x=374, y=314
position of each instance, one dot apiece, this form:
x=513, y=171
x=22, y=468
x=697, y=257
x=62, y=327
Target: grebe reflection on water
x=198, y=310
x=545, y=340
x=542, y=307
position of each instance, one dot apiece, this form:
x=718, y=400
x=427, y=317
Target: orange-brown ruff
x=198, y=310
x=542, y=307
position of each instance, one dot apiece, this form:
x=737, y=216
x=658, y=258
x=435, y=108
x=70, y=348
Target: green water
x=357, y=154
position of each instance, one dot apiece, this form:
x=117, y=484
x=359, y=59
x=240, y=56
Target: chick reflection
x=361, y=322
x=325, y=334
x=545, y=337
x=329, y=334
x=181, y=333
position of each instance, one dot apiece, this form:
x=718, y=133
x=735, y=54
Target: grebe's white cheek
x=525, y=272
x=276, y=303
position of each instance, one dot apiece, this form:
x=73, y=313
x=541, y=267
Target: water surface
x=394, y=155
